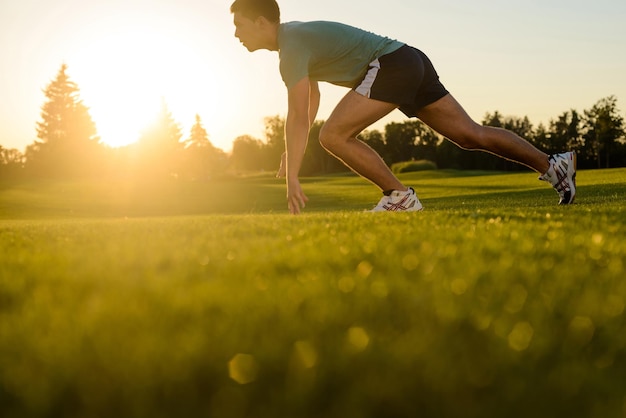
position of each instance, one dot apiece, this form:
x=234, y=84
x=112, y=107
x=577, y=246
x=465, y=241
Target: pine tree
x=68, y=143
x=202, y=160
x=160, y=147
x=163, y=133
x=199, y=138
x=565, y=133
x=604, y=130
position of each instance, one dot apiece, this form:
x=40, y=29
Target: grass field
x=122, y=299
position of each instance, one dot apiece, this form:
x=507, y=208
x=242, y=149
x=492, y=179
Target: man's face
x=247, y=31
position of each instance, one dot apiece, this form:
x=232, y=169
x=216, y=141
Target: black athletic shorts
x=405, y=77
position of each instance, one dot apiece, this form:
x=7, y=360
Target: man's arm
x=314, y=101
x=314, y=104
x=303, y=99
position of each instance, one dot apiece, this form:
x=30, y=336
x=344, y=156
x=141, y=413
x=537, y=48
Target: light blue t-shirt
x=328, y=51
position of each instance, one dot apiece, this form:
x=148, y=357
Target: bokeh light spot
x=243, y=368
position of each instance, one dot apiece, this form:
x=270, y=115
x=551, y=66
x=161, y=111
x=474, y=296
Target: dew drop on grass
x=358, y=338
x=243, y=368
x=364, y=269
x=521, y=336
x=481, y=321
x=346, y=284
x=458, y=286
x=581, y=330
x=410, y=262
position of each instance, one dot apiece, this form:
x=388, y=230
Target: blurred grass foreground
x=493, y=302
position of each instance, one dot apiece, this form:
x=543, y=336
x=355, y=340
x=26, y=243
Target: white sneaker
x=562, y=176
x=399, y=201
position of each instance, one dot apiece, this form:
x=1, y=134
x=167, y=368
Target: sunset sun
x=125, y=75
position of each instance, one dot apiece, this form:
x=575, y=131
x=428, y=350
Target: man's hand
x=282, y=169
x=297, y=127
x=296, y=199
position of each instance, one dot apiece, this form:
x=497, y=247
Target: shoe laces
x=559, y=179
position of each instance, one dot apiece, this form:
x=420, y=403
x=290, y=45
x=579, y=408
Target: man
x=383, y=74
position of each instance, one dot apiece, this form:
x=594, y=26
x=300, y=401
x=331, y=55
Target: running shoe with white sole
x=398, y=201
x=562, y=176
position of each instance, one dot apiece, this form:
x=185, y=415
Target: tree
x=274, y=141
x=245, y=154
x=495, y=120
x=542, y=138
x=449, y=155
x=315, y=156
x=159, y=147
x=604, y=130
x=400, y=139
x=201, y=159
x=11, y=163
x=408, y=141
x=69, y=144
x=426, y=142
x=563, y=134
x=520, y=126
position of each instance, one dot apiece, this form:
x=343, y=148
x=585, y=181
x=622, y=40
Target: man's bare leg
x=352, y=115
x=447, y=117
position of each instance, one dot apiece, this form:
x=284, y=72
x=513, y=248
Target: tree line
x=598, y=135
x=68, y=145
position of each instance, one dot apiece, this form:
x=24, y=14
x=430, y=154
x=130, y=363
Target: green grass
x=181, y=299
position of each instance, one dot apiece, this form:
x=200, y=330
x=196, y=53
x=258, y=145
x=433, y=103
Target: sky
x=535, y=58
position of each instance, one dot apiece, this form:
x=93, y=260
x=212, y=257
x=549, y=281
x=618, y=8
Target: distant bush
x=408, y=166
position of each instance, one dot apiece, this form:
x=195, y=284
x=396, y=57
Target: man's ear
x=262, y=21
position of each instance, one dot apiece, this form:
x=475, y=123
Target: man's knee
x=472, y=138
x=329, y=138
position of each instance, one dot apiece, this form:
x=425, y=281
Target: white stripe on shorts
x=365, y=88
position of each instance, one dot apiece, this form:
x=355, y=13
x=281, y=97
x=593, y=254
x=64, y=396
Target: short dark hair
x=252, y=9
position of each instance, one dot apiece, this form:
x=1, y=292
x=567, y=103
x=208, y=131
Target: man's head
x=253, y=9
x=256, y=23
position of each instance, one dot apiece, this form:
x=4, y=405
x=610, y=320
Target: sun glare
x=125, y=74
x=120, y=113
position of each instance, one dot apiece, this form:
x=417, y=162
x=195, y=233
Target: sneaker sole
x=417, y=208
